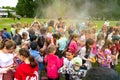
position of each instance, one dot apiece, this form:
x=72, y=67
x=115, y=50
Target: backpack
x=41, y=41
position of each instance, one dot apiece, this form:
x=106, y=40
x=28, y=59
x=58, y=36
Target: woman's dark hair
x=88, y=43
x=9, y=44
x=24, y=52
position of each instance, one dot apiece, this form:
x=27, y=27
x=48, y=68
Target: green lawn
x=6, y=22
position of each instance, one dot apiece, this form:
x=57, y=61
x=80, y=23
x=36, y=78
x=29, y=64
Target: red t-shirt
x=26, y=72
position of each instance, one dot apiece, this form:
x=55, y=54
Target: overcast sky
x=11, y=3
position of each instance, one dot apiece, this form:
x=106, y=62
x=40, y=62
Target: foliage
x=25, y=8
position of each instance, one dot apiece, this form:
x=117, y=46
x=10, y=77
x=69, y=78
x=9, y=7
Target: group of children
x=49, y=47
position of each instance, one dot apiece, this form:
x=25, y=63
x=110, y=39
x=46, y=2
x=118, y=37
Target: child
x=73, y=43
x=7, y=60
x=86, y=53
x=68, y=63
x=105, y=56
x=28, y=70
x=37, y=55
x=76, y=73
x=115, y=51
x=61, y=44
x=53, y=63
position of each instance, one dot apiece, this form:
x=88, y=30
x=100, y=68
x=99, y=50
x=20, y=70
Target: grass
x=6, y=22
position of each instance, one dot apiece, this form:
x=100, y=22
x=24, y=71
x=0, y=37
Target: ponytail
x=32, y=61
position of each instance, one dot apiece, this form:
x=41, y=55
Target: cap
x=77, y=61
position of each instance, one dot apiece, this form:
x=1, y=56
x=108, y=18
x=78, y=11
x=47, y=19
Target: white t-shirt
x=6, y=59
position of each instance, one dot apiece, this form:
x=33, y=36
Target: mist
x=76, y=9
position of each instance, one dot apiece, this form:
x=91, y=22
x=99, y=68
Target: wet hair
x=51, y=48
x=88, y=43
x=8, y=44
x=102, y=73
x=24, y=52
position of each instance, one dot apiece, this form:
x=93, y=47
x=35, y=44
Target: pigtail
x=33, y=63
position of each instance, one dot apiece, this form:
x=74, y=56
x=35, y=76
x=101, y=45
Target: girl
x=28, y=70
x=6, y=60
x=53, y=63
x=68, y=63
x=86, y=53
x=105, y=56
x=73, y=43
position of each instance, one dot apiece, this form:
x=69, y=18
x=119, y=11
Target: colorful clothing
x=104, y=58
x=73, y=74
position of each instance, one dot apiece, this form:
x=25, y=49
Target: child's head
x=107, y=45
x=24, y=35
x=50, y=29
x=24, y=54
x=75, y=37
x=89, y=43
x=8, y=45
x=77, y=62
x=26, y=45
x=116, y=39
x=51, y=49
x=69, y=54
x=33, y=45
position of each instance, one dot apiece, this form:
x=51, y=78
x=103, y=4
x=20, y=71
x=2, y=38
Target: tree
x=25, y=8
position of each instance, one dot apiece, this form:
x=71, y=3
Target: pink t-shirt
x=73, y=46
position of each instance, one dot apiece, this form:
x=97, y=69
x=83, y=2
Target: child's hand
x=92, y=60
x=10, y=68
